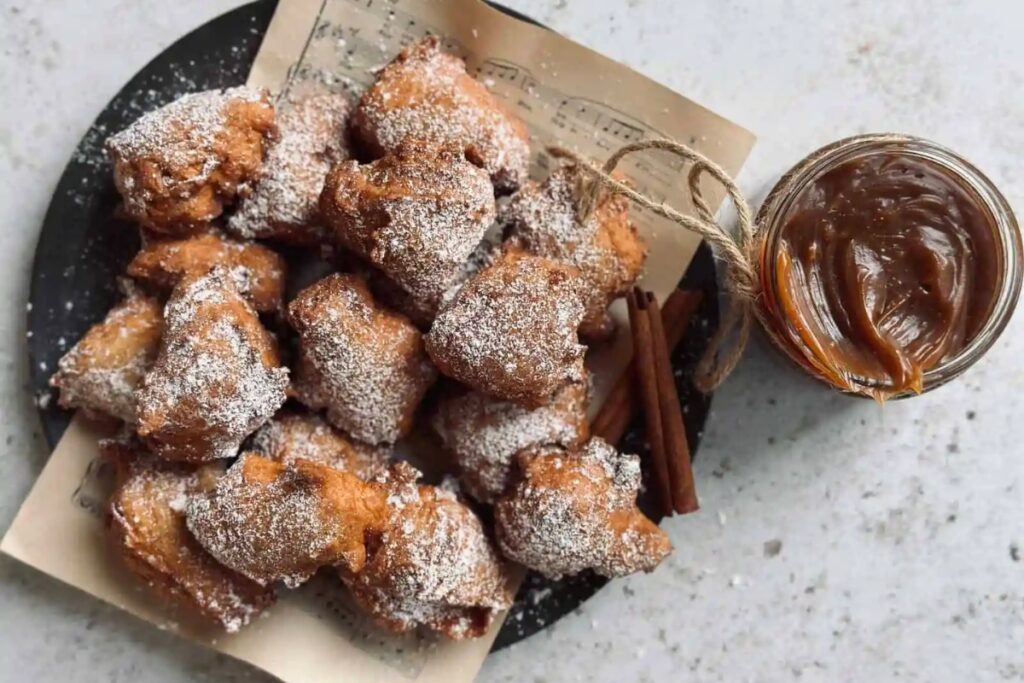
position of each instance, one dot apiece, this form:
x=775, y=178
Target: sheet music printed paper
x=566, y=94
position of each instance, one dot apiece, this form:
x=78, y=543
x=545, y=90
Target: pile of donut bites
x=257, y=437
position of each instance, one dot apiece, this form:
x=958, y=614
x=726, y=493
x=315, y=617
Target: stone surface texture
x=838, y=540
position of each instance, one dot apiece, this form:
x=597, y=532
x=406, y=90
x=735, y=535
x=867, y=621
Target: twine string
x=728, y=342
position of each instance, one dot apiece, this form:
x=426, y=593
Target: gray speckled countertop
x=838, y=540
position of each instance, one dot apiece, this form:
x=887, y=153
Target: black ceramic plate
x=83, y=248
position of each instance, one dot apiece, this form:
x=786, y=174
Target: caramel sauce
x=887, y=265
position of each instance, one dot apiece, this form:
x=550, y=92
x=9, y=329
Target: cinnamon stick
x=679, y=307
x=677, y=450
x=647, y=390
x=618, y=409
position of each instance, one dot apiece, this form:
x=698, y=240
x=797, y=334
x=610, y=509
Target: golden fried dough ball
x=432, y=564
x=425, y=94
x=147, y=524
x=217, y=377
x=576, y=510
x=178, y=166
x=102, y=371
x=282, y=203
x=291, y=436
x=484, y=434
x=362, y=363
x=260, y=271
x=275, y=522
x=417, y=214
x=607, y=249
x=510, y=331
x=420, y=311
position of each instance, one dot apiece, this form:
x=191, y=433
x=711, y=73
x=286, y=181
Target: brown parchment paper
x=566, y=94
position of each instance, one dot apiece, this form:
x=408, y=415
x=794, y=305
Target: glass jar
x=778, y=320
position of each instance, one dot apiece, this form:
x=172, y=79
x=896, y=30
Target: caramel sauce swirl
x=887, y=266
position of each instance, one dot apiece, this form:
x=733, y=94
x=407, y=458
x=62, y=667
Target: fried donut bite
x=606, y=248
x=362, y=363
x=416, y=214
x=147, y=525
x=282, y=203
x=576, y=510
x=292, y=436
x=217, y=376
x=425, y=94
x=483, y=434
x=162, y=264
x=102, y=371
x=275, y=522
x=510, y=331
x=432, y=564
x=420, y=311
x=177, y=167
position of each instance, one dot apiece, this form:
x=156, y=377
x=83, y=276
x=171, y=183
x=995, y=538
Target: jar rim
x=774, y=210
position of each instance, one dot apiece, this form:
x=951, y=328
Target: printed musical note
x=500, y=70
x=624, y=131
x=510, y=73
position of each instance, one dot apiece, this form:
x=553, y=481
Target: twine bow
x=726, y=345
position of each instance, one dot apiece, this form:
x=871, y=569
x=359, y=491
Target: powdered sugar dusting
x=257, y=271
x=511, y=330
x=282, y=202
x=281, y=523
x=416, y=214
x=183, y=131
x=606, y=248
x=102, y=371
x=292, y=436
x=437, y=565
x=433, y=565
x=272, y=532
x=212, y=379
x=362, y=363
x=485, y=433
x=422, y=311
x=577, y=510
x=148, y=523
x=426, y=94
x=173, y=165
